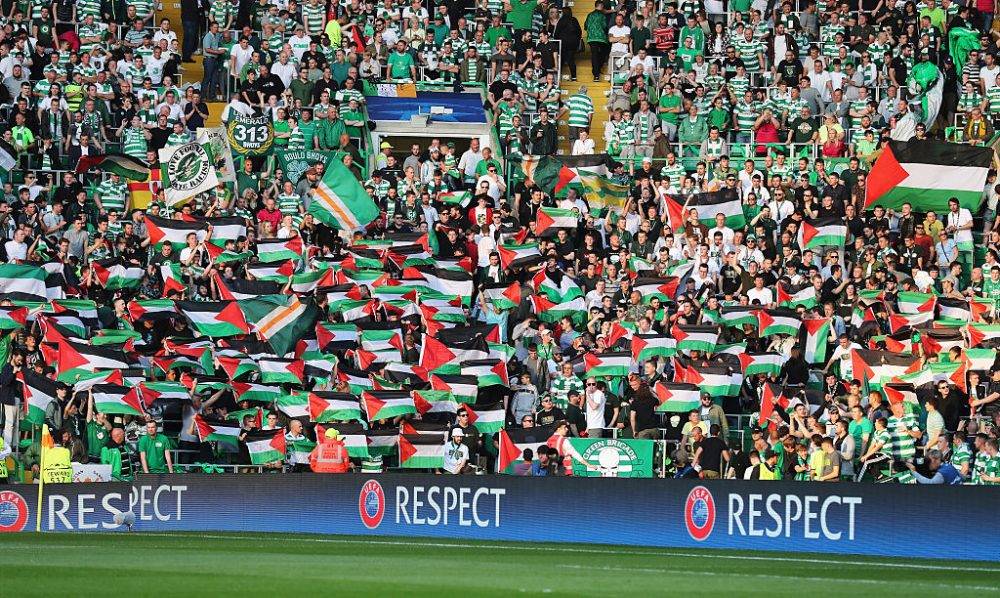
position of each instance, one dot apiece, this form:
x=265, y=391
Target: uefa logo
x=13, y=512
x=699, y=513
x=371, y=504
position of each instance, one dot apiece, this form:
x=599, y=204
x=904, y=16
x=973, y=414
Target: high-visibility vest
x=766, y=473
x=58, y=466
x=330, y=456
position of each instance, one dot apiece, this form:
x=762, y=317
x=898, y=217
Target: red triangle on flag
x=406, y=449
x=565, y=177
x=542, y=222
x=232, y=315
x=316, y=406
x=808, y=232
x=637, y=345
x=278, y=441
x=885, y=175
x=422, y=405
x=509, y=451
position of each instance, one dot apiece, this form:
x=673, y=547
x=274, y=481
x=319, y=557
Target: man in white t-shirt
x=595, y=402
x=299, y=43
x=456, y=454
x=620, y=36
x=17, y=249
x=959, y=225
x=759, y=292
x=240, y=55
x=842, y=354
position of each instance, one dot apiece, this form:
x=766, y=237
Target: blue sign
x=878, y=519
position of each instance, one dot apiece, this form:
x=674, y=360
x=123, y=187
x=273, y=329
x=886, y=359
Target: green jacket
x=111, y=456
x=596, y=27
x=692, y=132
x=329, y=134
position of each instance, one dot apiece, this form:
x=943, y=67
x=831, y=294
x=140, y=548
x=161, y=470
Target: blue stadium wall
x=890, y=520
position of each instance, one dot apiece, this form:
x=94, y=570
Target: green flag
x=341, y=202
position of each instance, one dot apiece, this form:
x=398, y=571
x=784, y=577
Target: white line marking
x=847, y=560
x=852, y=580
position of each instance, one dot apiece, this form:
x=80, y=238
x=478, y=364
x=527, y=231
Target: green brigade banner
x=217, y=139
x=613, y=458
x=295, y=163
x=250, y=135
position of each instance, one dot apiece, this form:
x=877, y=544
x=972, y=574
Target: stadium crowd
x=782, y=106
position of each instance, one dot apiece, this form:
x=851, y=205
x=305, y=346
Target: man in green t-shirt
x=98, y=431
x=596, y=26
x=154, y=451
x=401, y=65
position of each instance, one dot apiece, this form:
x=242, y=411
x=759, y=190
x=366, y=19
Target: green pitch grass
x=215, y=564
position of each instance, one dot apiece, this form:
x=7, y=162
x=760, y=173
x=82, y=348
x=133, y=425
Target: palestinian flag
x=235, y=289
x=327, y=406
x=464, y=388
x=281, y=320
x=114, y=274
x=548, y=173
x=455, y=346
x=13, y=318
x=778, y=321
x=772, y=401
x=926, y=174
x=455, y=198
x=613, y=364
x=257, y=393
x=214, y=319
x=663, y=288
x=806, y=297
x=822, y=232
x=761, y=363
x=151, y=309
x=936, y=341
x=112, y=398
x=980, y=359
x=503, y=297
x=718, y=381
x=210, y=430
x=647, y=346
x=78, y=356
x=295, y=405
x=488, y=419
x=896, y=392
x=478, y=372
x=879, y=367
x=24, y=279
x=340, y=202
x=170, y=392
x=39, y=391
x=955, y=310
x=336, y=337
x=435, y=401
x=563, y=290
x=127, y=167
x=898, y=322
x=513, y=442
x=982, y=333
x=677, y=397
x=87, y=380
x=277, y=370
x=549, y=219
x=300, y=450
x=517, y=256
x=266, y=446
x=737, y=316
x=279, y=250
x=691, y=337
x=319, y=365
x=175, y=232
x=225, y=229
x=551, y=312
x=421, y=451
x=817, y=335
x=386, y=404
x=676, y=210
x=982, y=308
x=725, y=202
x=910, y=302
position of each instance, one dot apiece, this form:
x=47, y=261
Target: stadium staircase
x=191, y=72
x=598, y=91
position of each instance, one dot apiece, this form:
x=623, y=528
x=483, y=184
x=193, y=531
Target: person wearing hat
x=330, y=455
x=382, y=159
x=456, y=454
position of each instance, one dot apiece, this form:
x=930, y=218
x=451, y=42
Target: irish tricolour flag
x=927, y=174
x=266, y=446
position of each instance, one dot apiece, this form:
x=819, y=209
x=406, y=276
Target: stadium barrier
x=888, y=520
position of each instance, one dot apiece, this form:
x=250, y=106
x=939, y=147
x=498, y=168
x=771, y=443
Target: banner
x=295, y=163
x=250, y=135
x=217, y=140
x=186, y=171
x=91, y=472
x=835, y=518
x=613, y=458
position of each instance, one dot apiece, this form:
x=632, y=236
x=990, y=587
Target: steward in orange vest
x=330, y=455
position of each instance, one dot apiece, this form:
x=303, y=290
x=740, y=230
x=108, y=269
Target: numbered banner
x=295, y=163
x=250, y=135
